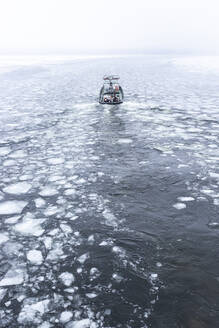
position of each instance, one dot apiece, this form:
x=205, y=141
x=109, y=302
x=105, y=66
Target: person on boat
x=115, y=99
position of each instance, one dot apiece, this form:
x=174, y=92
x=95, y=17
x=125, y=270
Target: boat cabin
x=111, y=92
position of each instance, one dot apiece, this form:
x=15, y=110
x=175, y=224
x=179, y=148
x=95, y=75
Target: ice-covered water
x=109, y=215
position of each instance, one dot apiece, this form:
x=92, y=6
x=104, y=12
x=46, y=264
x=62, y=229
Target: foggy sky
x=101, y=26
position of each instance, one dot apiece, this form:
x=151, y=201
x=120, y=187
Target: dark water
x=109, y=215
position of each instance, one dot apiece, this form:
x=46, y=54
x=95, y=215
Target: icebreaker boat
x=111, y=92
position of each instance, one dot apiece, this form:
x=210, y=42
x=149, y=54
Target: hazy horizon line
x=101, y=52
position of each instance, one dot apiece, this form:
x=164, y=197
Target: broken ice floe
x=179, y=206
x=70, y=192
x=91, y=239
x=67, y=278
x=55, y=161
x=91, y=295
x=124, y=141
x=12, y=249
x=4, y=151
x=47, y=242
x=39, y=202
x=83, y=323
x=110, y=218
x=18, y=154
x=55, y=253
x=66, y=316
x=32, y=311
x=185, y=199
x=12, y=220
x=17, y=188
x=35, y=257
x=30, y=226
x=214, y=175
x=66, y=228
x=83, y=258
x=216, y=202
x=13, y=277
x=9, y=162
x=12, y=207
x=117, y=277
x=118, y=250
x=107, y=242
x=94, y=273
x=26, y=177
x=48, y=191
x=3, y=238
x=51, y=210
x=213, y=224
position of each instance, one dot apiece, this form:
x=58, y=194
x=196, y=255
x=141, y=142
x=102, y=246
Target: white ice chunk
x=18, y=188
x=216, y=202
x=51, y=210
x=12, y=207
x=35, y=257
x=3, y=238
x=83, y=258
x=9, y=162
x=94, y=273
x=107, y=242
x=12, y=220
x=26, y=177
x=153, y=276
x=48, y=191
x=118, y=250
x=186, y=199
x=55, y=253
x=69, y=192
x=65, y=316
x=55, y=161
x=214, y=175
x=84, y=323
x=4, y=151
x=66, y=228
x=91, y=239
x=124, y=141
x=30, y=312
x=18, y=154
x=47, y=242
x=73, y=218
x=13, y=277
x=117, y=277
x=179, y=206
x=67, y=278
x=207, y=191
x=12, y=249
x=213, y=224
x=110, y=218
x=39, y=202
x=91, y=295
x=30, y=226
x=107, y=312
x=55, y=178
x=80, y=181
x=54, y=232
x=158, y=264
x=71, y=290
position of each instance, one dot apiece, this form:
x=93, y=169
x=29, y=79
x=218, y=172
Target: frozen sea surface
x=110, y=215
